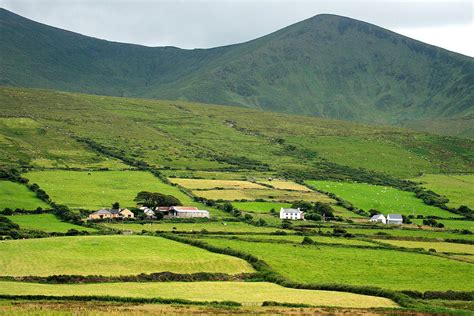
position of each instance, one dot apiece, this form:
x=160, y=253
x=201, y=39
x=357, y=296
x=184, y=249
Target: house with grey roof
x=291, y=213
x=395, y=219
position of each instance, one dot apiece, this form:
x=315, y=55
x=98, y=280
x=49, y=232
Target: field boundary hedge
x=87, y=298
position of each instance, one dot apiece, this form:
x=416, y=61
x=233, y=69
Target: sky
x=205, y=23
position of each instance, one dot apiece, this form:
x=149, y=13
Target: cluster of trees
x=433, y=223
x=154, y=199
x=315, y=211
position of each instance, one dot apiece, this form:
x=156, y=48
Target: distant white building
x=149, y=213
x=291, y=213
x=395, y=219
x=379, y=218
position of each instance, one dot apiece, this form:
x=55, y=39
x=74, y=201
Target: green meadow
x=389, y=269
x=458, y=188
x=110, y=255
x=93, y=190
x=220, y=226
x=384, y=199
x=451, y=224
x=260, y=207
x=250, y=293
x=438, y=246
x=45, y=222
x=15, y=195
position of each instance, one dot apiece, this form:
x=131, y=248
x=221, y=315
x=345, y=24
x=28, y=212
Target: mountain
x=327, y=66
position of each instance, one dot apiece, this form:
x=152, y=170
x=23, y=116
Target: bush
x=307, y=241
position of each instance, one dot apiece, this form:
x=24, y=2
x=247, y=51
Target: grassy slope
x=382, y=268
x=110, y=255
x=323, y=66
x=451, y=224
x=439, y=246
x=46, y=223
x=92, y=190
x=153, y=131
x=384, y=199
x=16, y=195
x=196, y=227
x=459, y=189
x=203, y=291
x=259, y=207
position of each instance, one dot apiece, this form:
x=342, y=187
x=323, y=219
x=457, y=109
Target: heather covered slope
x=327, y=66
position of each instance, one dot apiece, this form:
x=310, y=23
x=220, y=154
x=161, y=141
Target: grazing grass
x=46, y=222
x=259, y=207
x=93, y=190
x=299, y=239
x=110, y=255
x=345, y=213
x=419, y=233
x=267, y=194
x=285, y=185
x=15, y=195
x=457, y=188
x=238, y=227
x=212, y=184
x=254, y=293
x=384, y=199
x=389, y=269
x=438, y=246
x=451, y=224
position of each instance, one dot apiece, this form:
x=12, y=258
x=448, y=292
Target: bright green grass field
x=238, y=227
x=110, y=255
x=15, y=195
x=259, y=207
x=459, y=189
x=370, y=267
x=407, y=233
x=84, y=190
x=451, y=224
x=439, y=246
x=384, y=199
x=254, y=293
x=45, y=222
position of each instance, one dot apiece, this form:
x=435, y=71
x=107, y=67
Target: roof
x=290, y=210
x=114, y=211
x=184, y=208
x=125, y=210
x=102, y=212
x=377, y=216
x=395, y=216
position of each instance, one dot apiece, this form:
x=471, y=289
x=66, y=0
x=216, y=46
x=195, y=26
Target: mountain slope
x=327, y=66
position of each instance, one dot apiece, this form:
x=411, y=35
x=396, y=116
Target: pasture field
x=259, y=207
x=15, y=195
x=243, y=175
x=285, y=185
x=266, y=194
x=205, y=184
x=384, y=199
x=345, y=213
x=451, y=224
x=110, y=255
x=202, y=291
x=459, y=189
x=46, y=222
x=238, y=227
x=420, y=233
x=438, y=246
x=299, y=239
x=93, y=190
x=389, y=269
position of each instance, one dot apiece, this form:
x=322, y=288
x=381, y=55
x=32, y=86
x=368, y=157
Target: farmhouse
x=379, y=218
x=291, y=213
x=183, y=212
x=395, y=219
x=101, y=214
x=105, y=214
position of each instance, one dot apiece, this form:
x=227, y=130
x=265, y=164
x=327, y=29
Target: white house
x=149, y=213
x=379, y=218
x=291, y=213
x=395, y=219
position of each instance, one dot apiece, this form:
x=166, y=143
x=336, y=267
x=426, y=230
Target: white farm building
x=291, y=213
x=379, y=218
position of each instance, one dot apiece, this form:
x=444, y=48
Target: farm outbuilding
x=395, y=219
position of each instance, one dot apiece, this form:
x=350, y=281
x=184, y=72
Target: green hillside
x=328, y=66
x=92, y=130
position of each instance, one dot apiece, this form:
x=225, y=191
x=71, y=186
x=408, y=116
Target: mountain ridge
x=327, y=66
